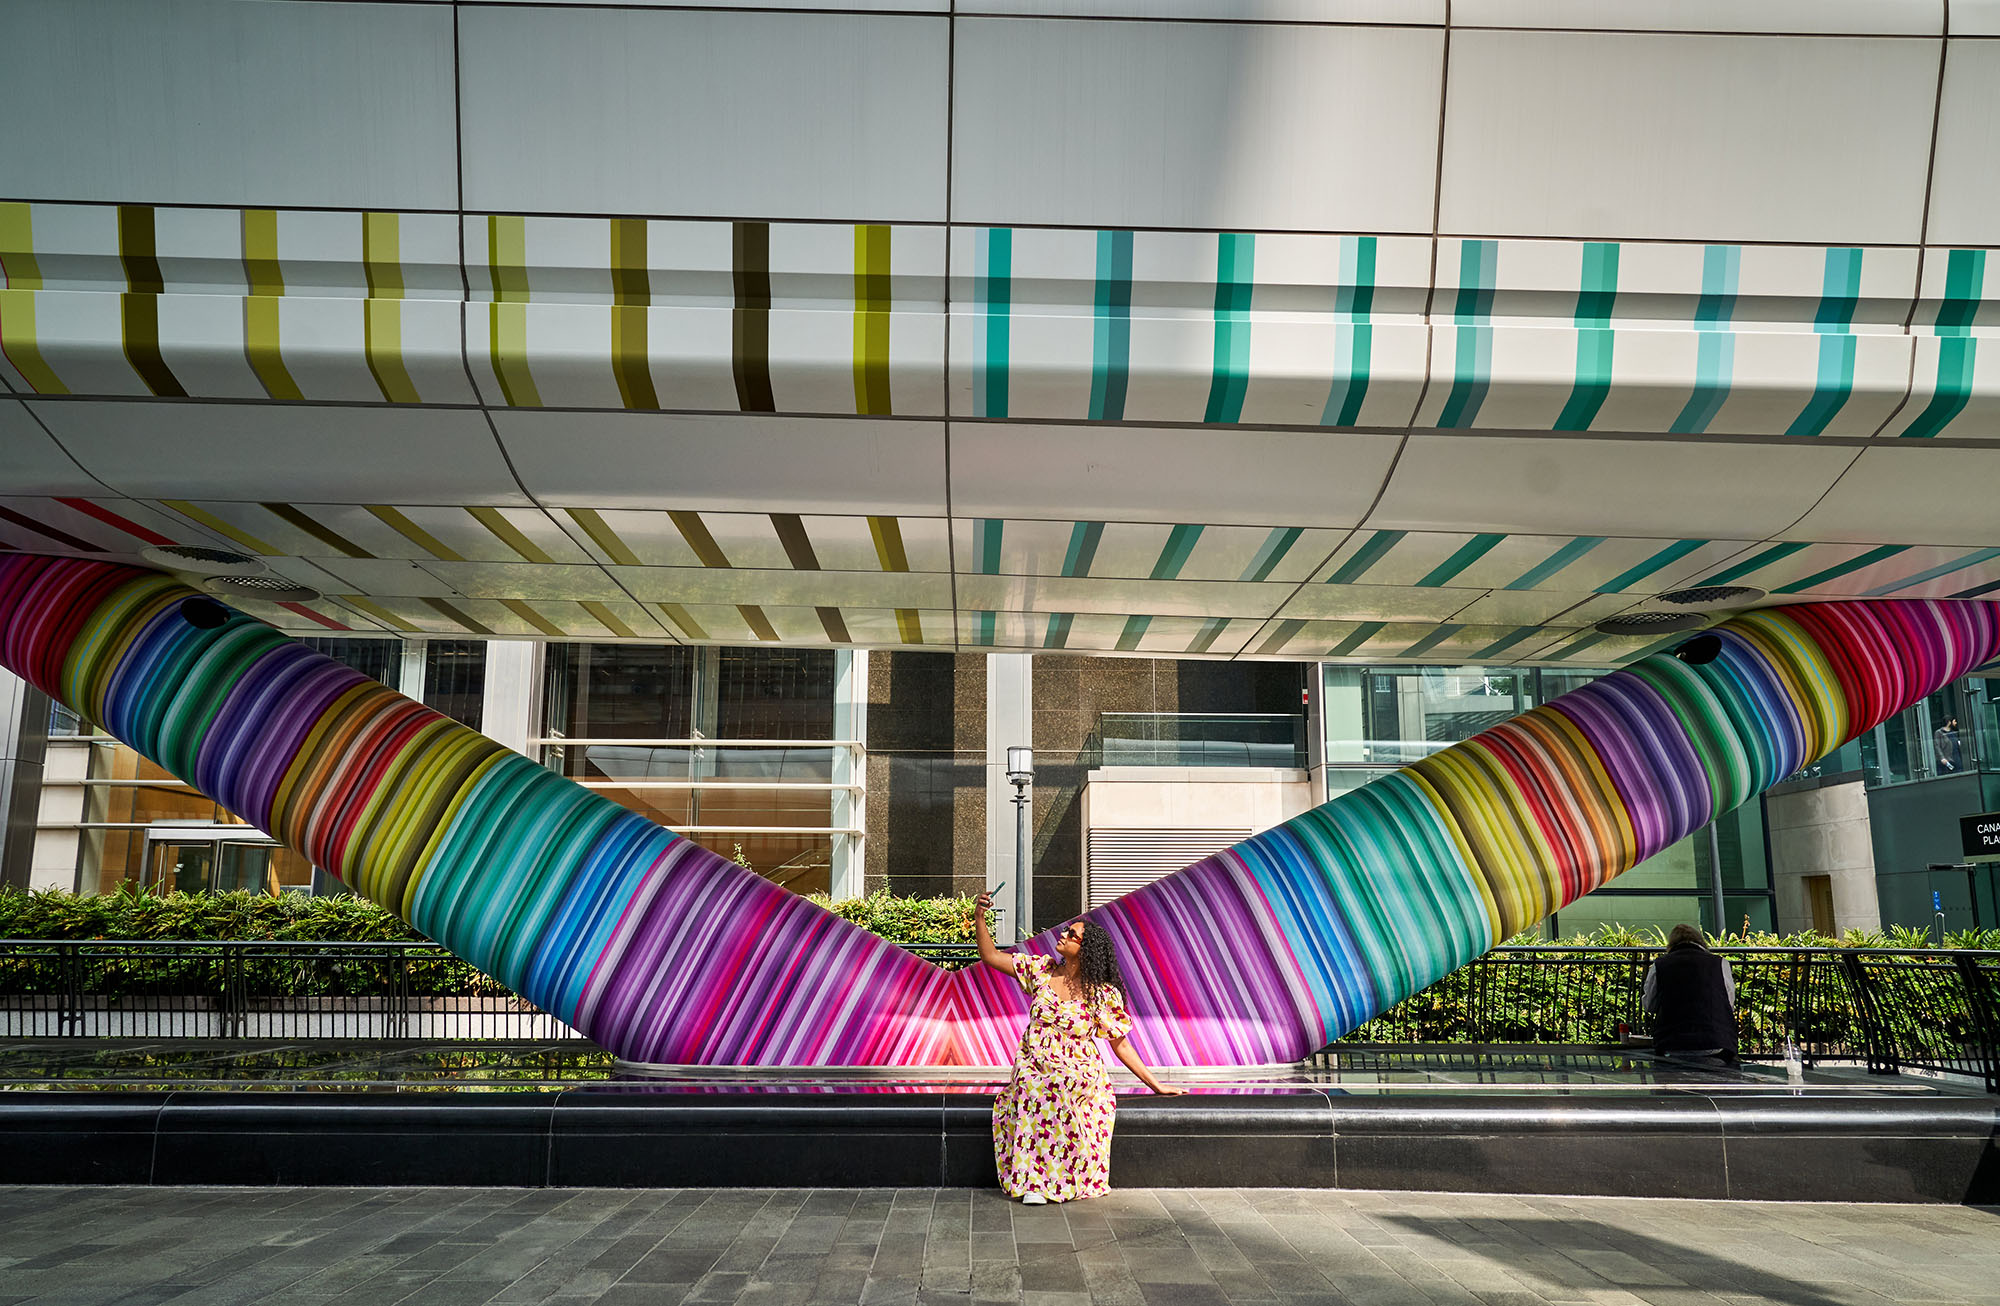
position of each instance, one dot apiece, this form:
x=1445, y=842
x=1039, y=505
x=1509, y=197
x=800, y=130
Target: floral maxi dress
x=1052, y=1123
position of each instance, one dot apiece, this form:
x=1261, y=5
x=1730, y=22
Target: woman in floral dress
x=1052, y=1123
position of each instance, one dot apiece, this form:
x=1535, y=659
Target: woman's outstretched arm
x=989, y=952
x=1122, y=1048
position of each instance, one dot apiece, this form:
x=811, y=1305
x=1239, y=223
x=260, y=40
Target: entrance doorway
x=1819, y=900
x=221, y=859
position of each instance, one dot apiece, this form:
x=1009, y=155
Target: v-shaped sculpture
x=662, y=951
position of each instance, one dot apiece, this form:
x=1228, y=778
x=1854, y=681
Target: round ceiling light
x=272, y=589
x=201, y=560
x=1704, y=595
x=1648, y=623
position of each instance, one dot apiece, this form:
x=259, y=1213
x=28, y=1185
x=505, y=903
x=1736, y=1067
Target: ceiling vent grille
x=272, y=589
x=1704, y=595
x=1119, y=861
x=1648, y=623
x=200, y=559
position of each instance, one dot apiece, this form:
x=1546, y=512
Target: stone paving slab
x=914, y=1247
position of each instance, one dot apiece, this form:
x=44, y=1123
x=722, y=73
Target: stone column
x=1010, y=723
x=24, y=738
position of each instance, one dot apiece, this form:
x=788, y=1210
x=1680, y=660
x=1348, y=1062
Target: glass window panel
x=1755, y=909
x=768, y=693
x=455, y=679
x=178, y=867
x=1607, y=907
x=1983, y=705
x=1673, y=867
x=379, y=659
x=1946, y=742
x=802, y=863
x=1392, y=716
x=253, y=867
x=1897, y=763
x=620, y=691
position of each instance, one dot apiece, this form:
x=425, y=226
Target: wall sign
x=1980, y=834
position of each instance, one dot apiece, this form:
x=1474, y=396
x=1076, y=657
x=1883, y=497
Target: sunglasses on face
x=1074, y=932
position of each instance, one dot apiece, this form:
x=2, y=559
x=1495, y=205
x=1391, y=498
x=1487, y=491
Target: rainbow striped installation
x=665, y=952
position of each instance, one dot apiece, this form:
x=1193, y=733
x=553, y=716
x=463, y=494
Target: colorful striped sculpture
x=665, y=952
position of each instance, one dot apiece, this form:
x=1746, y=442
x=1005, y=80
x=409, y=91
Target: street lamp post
x=1021, y=772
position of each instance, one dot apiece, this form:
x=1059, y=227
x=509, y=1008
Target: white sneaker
x=1034, y=1199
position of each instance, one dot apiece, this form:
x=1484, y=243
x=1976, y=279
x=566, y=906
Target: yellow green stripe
x=261, y=307
x=631, y=298
x=381, y=254
x=21, y=277
x=507, y=262
x=871, y=319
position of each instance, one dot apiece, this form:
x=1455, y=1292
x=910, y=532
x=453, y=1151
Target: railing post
x=1875, y=1037
x=69, y=1009
x=1981, y=1005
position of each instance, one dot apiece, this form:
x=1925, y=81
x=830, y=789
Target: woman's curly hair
x=1097, y=962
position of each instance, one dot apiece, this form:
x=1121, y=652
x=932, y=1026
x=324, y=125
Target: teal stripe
x=985, y=629
x=1058, y=632
x=1762, y=560
x=993, y=290
x=1672, y=553
x=1362, y=634
x=1082, y=552
x=1472, y=366
x=1867, y=559
x=1111, y=337
x=1430, y=641
x=1715, y=350
x=1468, y=553
x=1556, y=561
x=1506, y=642
x=1180, y=543
x=1945, y=569
x=1283, y=635
x=1275, y=547
x=1354, y=336
x=986, y=532
x=1588, y=641
x=1965, y=277
x=1210, y=629
x=1595, y=299
x=1370, y=553
x=1135, y=629
x=1834, y=322
x=1235, y=259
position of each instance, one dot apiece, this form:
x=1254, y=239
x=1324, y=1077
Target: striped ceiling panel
x=1145, y=589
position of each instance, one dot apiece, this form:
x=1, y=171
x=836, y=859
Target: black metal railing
x=1888, y=1009
x=126, y=988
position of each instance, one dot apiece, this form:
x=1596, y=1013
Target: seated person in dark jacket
x=1692, y=995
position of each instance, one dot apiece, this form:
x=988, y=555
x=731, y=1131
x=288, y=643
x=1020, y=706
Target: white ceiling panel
x=1121, y=124
x=392, y=577
x=740, y=463
x=32, y=463
x=1666, y=487
x=1911, y=495
x=526, y=580
x=1167, y=474
x=284, y=452
x=796, y=588
x=1845, y=17
x=773, y=115
x=1088, y=594
x=1658, y=136
x=212, y=102
x=1965, y=187
x=1541, y=607
x=1375, y=603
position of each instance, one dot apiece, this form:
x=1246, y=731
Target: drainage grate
x=1648, y=623
x=1705, y=594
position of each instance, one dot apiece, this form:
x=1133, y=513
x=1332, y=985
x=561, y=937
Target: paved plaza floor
x=456, y=1247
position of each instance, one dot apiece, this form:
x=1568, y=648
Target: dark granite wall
x=926, y=773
